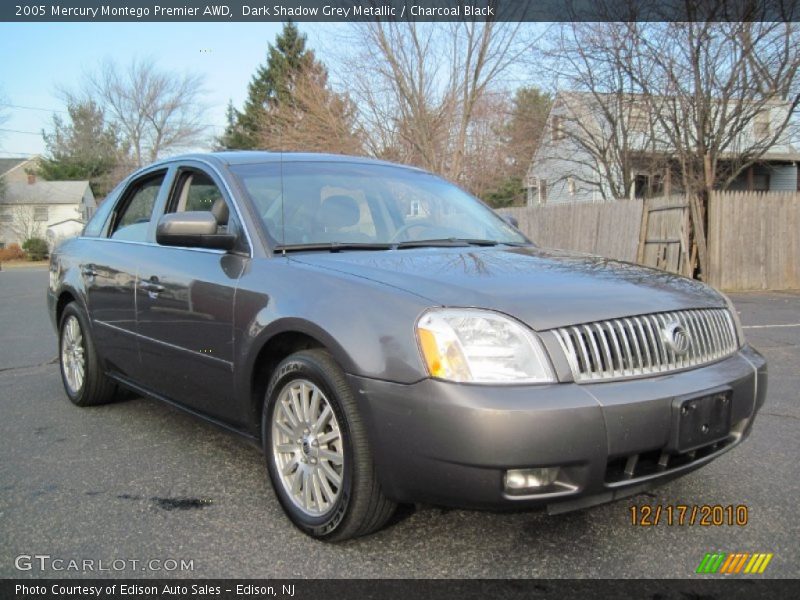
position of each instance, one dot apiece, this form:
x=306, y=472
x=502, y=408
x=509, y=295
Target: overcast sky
x=39, y=57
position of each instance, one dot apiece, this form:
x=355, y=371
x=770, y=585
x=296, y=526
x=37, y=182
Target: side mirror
x=193, y=229
x=511, y=220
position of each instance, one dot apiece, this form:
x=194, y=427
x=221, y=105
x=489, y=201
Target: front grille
x=638, y=346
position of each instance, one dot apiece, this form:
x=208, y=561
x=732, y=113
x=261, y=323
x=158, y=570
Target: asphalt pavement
x=137, y=481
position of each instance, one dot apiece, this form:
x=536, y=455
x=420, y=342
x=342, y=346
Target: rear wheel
x=317, y=453
x=84, y=381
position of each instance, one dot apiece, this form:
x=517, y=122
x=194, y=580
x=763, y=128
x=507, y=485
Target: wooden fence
x=753, y=238
x=610, y=229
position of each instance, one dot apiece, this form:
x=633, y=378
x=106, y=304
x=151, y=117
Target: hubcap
x=307, y=447
x=73, y=362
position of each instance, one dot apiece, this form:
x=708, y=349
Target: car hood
x=543, y=288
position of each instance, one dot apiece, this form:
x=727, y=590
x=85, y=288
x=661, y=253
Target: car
x=386, y=338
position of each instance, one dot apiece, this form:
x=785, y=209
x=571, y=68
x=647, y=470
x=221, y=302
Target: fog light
x=517, y=480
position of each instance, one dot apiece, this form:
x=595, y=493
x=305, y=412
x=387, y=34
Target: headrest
x=338, y=212
x=220, y=211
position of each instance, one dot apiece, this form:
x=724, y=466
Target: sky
x=38, y=58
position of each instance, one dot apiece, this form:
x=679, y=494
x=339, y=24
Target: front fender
x=367, y=327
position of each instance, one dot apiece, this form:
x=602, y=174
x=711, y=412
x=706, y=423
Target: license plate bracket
x=700, y=420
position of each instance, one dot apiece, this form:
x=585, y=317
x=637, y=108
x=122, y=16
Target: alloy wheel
x=73, y=357
x=307, y=447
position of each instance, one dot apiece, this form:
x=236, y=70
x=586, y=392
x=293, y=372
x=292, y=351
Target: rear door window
x=133, y=220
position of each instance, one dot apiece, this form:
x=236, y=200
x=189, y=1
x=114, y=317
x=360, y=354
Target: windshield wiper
x=446, y=243
x=332, y=246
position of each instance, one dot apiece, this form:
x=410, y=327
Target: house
x=583, y=126
x=29, y=206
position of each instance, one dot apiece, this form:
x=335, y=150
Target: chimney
x=31, y=178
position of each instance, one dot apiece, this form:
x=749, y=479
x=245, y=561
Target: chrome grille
x=637, y=346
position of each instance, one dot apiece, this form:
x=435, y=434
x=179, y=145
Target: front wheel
x=317, y=452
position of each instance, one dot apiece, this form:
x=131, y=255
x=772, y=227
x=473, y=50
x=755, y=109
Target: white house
x=29, y=206
x=564, y=170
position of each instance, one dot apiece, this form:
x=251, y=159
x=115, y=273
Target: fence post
x=699, y=236
x=642, y=232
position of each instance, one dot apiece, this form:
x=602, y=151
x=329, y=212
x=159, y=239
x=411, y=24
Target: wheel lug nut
x=313, y=461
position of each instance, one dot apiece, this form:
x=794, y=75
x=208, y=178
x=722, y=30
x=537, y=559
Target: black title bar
x=744, y=588
x=398, y=10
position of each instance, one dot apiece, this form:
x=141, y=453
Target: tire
x=84, y=381
x=325, y=482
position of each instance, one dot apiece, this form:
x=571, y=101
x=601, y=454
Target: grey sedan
x=386, y=338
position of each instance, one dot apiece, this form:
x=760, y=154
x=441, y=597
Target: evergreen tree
x=270, y=88
x=83, y=148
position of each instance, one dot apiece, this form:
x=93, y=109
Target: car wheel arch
x=273, y=347
x=65, y=296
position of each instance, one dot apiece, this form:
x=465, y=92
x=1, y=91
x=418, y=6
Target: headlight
x=736, y=321
x=480, y=346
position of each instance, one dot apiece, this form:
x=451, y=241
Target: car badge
x=677, y=338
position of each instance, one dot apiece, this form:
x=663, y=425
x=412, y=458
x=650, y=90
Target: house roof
x=7, y=164
x=45, y=192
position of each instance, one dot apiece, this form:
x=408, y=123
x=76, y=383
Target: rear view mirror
x=511, y=220
x=193, y=229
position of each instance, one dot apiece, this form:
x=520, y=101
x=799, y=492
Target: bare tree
x=723, y=93
x=708, y=98
x=155, y=111
x=24, y=223
x=418, y=86
x=317, y=119
x=601, y=118
x=487, y=161
x=704, y=99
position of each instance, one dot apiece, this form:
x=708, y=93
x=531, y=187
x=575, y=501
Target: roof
x=45, y=192
x=248, y=157
x=7, y=164
x=65, y=221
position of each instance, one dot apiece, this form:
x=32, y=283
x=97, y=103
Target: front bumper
x=451, y=444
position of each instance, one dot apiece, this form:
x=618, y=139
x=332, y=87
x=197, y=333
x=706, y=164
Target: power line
x=50, y=110
x=20, y=131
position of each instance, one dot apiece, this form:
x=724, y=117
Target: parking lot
x=139, y=481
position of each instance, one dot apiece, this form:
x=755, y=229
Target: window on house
x=761, y=126
x=558, y=128
x=571, y=186
x=542, y=191
x=40, y=213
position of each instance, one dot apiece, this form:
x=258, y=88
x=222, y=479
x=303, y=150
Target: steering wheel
x=408, y=226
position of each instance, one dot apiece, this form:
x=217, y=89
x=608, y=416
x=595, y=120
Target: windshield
x=364, y=204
